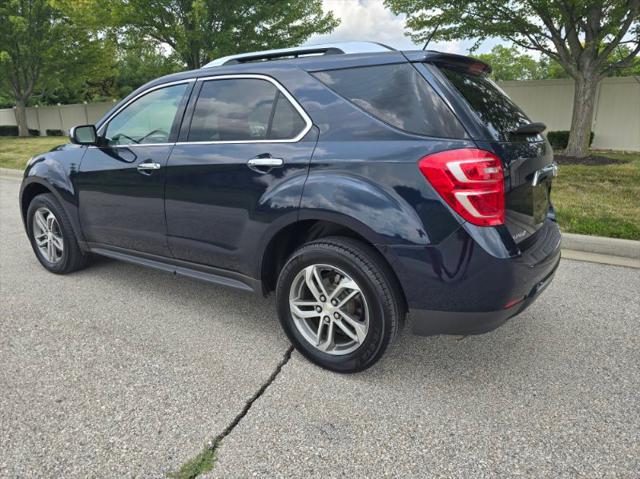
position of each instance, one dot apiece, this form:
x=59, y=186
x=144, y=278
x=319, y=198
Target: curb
x=11, y=172
x=600, y=258
x=602, y=246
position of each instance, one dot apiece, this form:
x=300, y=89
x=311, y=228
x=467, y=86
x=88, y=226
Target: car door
x=120, y=183
x=239, y=167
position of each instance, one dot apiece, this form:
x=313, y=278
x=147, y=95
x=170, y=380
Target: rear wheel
x=339, y=304
x=51, y=236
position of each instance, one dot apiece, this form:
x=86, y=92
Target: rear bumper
x=429, y=323
x=457, y=287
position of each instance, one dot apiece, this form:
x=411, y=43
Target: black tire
x=72, y=258
x=377, y=283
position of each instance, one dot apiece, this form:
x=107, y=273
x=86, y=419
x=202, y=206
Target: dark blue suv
x=356, y=182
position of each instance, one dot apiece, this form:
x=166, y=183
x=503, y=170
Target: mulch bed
x=591, y=160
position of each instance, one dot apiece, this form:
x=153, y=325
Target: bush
x=8, y=130
x=54, y=132
x=12, y=130
x=560, y=139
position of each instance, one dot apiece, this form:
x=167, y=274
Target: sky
x=364, y=20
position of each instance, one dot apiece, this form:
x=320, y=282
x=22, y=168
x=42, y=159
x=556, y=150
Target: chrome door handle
x=264, y=165
x=551, y=169
x=148, y=166
x=268, y=162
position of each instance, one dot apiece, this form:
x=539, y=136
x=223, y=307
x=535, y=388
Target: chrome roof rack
x=296, y=52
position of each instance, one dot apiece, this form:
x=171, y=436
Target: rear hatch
x=527, y=156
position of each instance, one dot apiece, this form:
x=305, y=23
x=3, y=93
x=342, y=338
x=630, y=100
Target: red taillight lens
x=471, y=181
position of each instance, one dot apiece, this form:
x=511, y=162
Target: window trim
x=105, y=124
x=253, y=76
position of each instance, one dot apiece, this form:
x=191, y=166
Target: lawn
x=591, y=200
x=15, y=152
x=600, y=200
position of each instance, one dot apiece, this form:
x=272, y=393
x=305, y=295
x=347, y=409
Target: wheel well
x=29, y=193
x=287, y=240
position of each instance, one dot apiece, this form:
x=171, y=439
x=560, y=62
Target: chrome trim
x=148, y=166
x=274, y=82
x=544, y=172
x=265, y=162
x=322, y=48
x=287, y=95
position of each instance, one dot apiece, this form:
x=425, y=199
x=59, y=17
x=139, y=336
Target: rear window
x=397, y=95
x=498, y=113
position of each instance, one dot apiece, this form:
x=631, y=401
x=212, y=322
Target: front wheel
x=52, y=237
x=339, y=303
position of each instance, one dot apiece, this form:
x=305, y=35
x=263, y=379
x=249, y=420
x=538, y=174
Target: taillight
x=471, y=181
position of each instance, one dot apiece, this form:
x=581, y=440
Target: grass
x=200, y=464
x=600, y=200
x=15, y=152
x=591, y=200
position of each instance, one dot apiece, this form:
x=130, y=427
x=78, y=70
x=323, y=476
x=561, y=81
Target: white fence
x=60, y=117
x=616, y=122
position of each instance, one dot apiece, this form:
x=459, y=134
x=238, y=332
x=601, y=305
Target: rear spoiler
x=451, y=60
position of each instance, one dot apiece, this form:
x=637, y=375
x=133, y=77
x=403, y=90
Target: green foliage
x=560, y=139
x=139, y=62
x=54, y=132
x=8, y=130
x=200, y=30
x=581, y=36
x=510, y=64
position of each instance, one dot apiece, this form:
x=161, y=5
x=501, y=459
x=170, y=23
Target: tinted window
x=398, y=95
x=148, y=119
x=492, y=105
x=286, y=122
x=243, y=110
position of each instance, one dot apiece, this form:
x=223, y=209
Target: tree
x=42, y=49
x=510, y=64
x=25, y=30
x=581, y=35
x=199, y=30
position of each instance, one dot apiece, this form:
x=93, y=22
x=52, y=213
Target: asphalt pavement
x=119, y=371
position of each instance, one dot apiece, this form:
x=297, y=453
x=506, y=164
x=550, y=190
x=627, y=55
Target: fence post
x=38, y=119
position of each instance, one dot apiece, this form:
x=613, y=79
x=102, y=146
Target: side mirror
x=84, y=135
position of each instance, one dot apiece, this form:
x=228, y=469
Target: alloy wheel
x=329, y=309
x=48, y=235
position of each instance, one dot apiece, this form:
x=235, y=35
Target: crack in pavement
x=205, y=460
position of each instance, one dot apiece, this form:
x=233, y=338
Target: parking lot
x=119, y=371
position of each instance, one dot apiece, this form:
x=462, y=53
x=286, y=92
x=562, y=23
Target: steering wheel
x=164, y=133
x=117, y=137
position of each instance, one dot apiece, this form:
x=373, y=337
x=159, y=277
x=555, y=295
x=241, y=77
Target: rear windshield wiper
x=529, y=129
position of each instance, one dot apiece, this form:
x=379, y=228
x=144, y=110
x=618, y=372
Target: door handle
x=262, y=165
x=144, y=167
x=551, y=169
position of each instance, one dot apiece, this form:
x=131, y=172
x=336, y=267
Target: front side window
x=243, y=109
x=148, y=119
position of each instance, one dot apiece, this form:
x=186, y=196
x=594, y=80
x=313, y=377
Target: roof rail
x=321, y=49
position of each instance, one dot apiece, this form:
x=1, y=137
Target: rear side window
x=498, y=113
x=243, y=110
x=397, y=95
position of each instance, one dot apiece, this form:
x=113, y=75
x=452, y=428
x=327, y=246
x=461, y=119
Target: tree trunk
x=583, y=107
x=21, y=117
